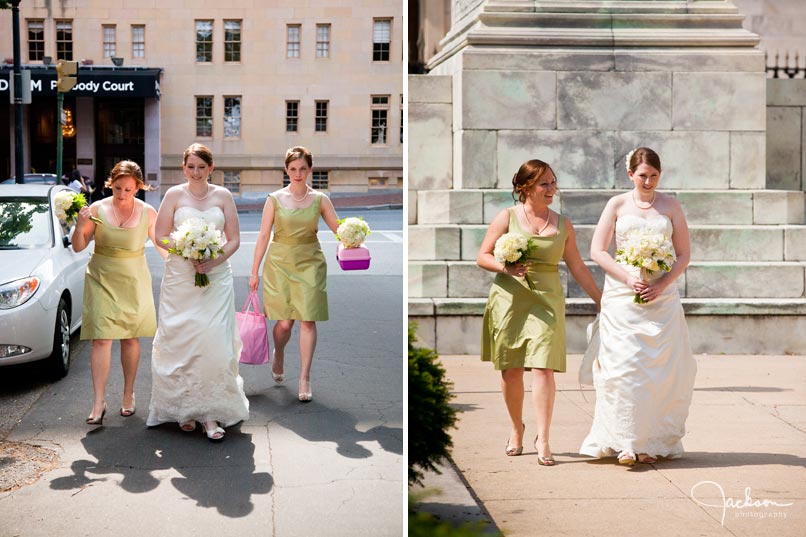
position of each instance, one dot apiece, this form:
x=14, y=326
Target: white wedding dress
x=644, y=375
x=194, y=362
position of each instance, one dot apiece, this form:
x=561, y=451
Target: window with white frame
x=36, y=40
x=291, y=116
x=232, y=181
x=232, y=40
x=322, y=40
x=292, y=40
x=204, y=116
x=64, y=40
x=381, y=39
x=138, y=41
x=320, y=122
x=232, y=117
x=110, y=40
x=380, y=119
x=204, y=41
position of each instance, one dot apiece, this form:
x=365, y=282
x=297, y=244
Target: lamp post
x=19, y=165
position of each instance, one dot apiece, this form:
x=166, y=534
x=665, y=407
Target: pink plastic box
x=353, y=258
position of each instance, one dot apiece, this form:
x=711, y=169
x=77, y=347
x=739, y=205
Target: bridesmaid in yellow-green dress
x=524, y=320
x=118, y=301
x=295, y=270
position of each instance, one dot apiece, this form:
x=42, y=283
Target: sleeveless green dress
x=118, y=300
x=295, y=270
x=524, y=327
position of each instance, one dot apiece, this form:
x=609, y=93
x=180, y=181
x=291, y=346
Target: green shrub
x=427, y=525
x=430, y=416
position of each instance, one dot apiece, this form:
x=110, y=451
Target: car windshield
x=24, y=223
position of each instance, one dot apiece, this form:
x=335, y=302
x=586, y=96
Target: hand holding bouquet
x=67, y=204
x=510, y=248
x=197, y=240
x=650, y=252
x=352, y=232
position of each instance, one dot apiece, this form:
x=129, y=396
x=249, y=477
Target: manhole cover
x=22, y=464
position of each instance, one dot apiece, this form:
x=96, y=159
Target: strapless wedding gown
x=194, y=362
x=645, y=372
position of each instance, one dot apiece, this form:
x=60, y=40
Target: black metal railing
x=789, y=68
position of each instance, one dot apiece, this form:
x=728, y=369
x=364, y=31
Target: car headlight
x=18, y=292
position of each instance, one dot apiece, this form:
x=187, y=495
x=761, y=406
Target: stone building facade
x=249, y=79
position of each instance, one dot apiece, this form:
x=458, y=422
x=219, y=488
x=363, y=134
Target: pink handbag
x=254, y=334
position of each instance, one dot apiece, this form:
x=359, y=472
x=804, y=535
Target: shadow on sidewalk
x=220, y=476
x=318, y=423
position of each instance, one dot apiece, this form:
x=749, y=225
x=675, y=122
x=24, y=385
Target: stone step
x=717, y=326
x=709, y=242
x=702, y=279
x=583, y=206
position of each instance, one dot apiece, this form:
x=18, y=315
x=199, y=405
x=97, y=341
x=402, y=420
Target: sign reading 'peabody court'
x=95, y=83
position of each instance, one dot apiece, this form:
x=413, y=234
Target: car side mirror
x=66, y=241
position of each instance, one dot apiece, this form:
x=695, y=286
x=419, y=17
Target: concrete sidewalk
x=745, y=449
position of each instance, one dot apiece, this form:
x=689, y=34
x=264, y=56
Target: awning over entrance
x=92, y=81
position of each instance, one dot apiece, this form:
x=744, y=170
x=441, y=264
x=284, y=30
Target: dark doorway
x=119, y=134
x=42, y=128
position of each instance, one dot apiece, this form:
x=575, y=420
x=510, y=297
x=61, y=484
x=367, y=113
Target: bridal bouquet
x=196, y=239
x=510, y=248
x=648, y=251
x=352, y=232
x=67, y=204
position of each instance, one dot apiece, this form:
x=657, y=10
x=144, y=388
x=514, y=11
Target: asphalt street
x=331, y=467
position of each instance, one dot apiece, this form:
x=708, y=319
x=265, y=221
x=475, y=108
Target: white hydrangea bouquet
x=650, y=252
x=510, y=248
x=67, y=204
x=196, y=240
x=352, y=231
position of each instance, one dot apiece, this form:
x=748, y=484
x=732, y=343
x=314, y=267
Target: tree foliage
x=430, y=415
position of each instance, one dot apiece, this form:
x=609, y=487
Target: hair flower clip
x=628, y=158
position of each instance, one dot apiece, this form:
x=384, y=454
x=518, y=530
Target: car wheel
x=59, y=360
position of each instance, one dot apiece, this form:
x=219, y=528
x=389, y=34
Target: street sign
x=25, y=75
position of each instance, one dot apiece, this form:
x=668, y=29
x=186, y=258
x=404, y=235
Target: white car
x=41, y=279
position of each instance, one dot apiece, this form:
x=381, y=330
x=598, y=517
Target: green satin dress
x=295, y=270
x=524, y=327
x=118, y=300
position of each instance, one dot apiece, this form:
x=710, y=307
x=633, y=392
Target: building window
x=381, y=38
x=138, y=41
x=232, y=117
x=36, y=40
x=204, y=117
x=291, y=116
x=322, y=40
x=320, y=123
x=110, y=40
x=378, y=182
x=64, y=40
x=380, y=117
x=319, y=179
x=292, y=40
x=232, y=181
x=232, y=41
x=204, y=41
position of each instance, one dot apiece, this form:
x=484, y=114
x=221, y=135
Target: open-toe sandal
x=214, y=433
x=188, y=426
x=278, y=377
x=128, y=412
x=544, y=461
x=626, y=458
x=645, y=458
x=96, y=420
x=512, y=451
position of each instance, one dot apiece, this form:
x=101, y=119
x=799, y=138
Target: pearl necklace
x=651, y=202
x=206, y=192
x=541, y=230
x=123, y=222
x=303, y=197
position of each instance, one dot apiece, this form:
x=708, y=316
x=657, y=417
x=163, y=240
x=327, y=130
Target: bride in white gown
x=194, y=362
x=644, y=375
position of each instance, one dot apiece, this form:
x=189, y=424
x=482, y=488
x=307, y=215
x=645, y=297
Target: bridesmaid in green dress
x=118, y=301
x=524, y=320
x=295, y=270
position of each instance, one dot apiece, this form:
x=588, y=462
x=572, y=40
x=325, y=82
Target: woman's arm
x=682, y=249
x=329, y=214
x=486, y=259
x=600, y=244
x=152, y=219
x=85, y=228
x=576, y=266
x=164, y=223
x=266, y=223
